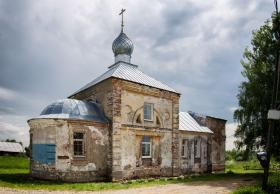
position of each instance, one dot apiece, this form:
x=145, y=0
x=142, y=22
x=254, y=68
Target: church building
x=123, y=125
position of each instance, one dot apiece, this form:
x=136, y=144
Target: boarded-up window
x=43, y=153
x=78, y=143
x=184, y=148
x=197, y=147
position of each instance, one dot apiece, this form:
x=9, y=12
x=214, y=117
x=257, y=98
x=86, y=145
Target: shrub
x=274, y=183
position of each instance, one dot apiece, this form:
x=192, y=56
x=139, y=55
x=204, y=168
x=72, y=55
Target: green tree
x=255, y=91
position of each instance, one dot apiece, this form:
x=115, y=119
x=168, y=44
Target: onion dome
x=74, y=109
x=122, y=45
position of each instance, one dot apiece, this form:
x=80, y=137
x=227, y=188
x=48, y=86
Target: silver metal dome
x=122, y=45
x=74, y=109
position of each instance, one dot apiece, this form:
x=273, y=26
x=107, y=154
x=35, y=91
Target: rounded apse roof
x=74, y=109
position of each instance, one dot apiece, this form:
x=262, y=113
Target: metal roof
x=74, y=109
x=122, y=45
x=188, y=123
x=129, y=72
x=11, y=147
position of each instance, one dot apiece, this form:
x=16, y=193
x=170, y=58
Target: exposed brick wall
x=218, y=142
x=102, y=93
x=109, y=94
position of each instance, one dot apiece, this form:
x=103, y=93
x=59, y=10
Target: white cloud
x=7, y=94
x=12, y=131
x=232, y=109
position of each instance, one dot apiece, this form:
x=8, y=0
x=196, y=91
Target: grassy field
x=240, y=167
x=14, y=174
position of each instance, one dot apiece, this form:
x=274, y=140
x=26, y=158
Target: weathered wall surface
x=123, y=103
x=189, y=162
x=129, y=127
x=132, y=110
x=92, y=166
x=132, y=163
x=218, y=142
x=102, y=93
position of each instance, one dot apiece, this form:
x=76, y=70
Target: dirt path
x=199, y=187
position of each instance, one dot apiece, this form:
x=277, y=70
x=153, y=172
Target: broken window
x=78, y=144
x=197, y=145
x=146, y=147
x=148, y=111
x=184, y=148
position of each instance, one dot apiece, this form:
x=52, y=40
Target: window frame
x=150, y=147
x=197, y=147
x=184, y=148
x=83, y=155
x=152, y=111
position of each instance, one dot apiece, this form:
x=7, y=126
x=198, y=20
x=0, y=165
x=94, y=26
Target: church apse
x=70, y=142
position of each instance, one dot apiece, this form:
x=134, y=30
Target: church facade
x=123, y=125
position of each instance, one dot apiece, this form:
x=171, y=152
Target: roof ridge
x=129, y=72
x=90, y=83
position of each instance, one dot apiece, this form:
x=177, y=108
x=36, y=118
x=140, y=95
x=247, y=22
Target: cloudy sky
x=50, y=48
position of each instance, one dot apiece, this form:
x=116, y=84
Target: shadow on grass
x=24, y=179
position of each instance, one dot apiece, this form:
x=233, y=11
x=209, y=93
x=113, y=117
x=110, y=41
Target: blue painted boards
x=43, y=153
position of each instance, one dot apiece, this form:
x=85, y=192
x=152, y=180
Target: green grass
x=14, y=174
x=238, y=167
x=10, y=162
x=254, y=167
x=249, y=190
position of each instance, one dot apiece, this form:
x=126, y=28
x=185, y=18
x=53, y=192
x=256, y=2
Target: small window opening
x=146, y=147
x=79, y=147
x=148, y=111
x=184, y=148
x=197, y=145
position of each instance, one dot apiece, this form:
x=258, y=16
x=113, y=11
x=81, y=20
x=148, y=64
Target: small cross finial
x=122, y=11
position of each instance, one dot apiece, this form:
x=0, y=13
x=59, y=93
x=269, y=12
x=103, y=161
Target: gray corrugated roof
x=10, y=147
x=127, y=72
x=188, y=123
x=74, y=109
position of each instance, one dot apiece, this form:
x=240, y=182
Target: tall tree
x=255, y=91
